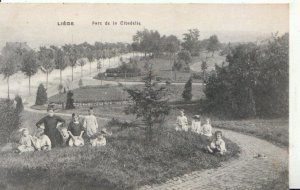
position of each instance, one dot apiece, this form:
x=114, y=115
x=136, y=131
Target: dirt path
x=246, y=172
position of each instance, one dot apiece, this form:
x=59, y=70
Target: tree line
x=17, y=57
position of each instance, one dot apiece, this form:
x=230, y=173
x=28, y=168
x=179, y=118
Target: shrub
x=41, y=96
x=9, y=119
x=60, y=88
x=80, y=83
x=187, y=92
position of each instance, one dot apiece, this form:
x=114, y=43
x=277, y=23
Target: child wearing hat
x=196, y=124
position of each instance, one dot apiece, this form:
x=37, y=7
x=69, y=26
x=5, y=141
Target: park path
x=246, y=172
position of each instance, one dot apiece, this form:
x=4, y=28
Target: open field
x=125, y=163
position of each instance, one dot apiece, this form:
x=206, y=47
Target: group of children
x=49, y=133
x=213, y=145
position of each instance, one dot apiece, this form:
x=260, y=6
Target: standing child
x=196, y=124
x=90, y=124
x=25, y=141
x=217, y=145
x=181, y=122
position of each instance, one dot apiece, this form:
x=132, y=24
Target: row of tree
x=152, y=42
x=20, y=57
x=255, y=82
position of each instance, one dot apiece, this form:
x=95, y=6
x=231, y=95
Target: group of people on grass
x=212, y=144
x=52, y=133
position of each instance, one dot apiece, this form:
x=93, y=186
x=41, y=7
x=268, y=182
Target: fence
x=93, y=104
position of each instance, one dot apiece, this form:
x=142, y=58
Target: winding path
x=246, y=172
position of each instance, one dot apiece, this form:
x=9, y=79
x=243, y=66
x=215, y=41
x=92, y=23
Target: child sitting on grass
x=181, y=122
x=25, y=141
x=75, y=128
x=217, y=145
x=206, y=130
x=196, y=124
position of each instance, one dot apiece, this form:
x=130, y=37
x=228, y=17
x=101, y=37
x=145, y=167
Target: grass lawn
x=100, y=93
x=275, y=131
x=125, y=163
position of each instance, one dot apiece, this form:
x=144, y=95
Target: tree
x=29, y=65
x=204, y=68
x=187, y=92
x=81, y=63
x=213, y=44
x=41, y=95
x=46, y=59
x=191, y=42
x=59, y=60
x=73, y=54
x=177, y=66
x=9, y=62
x=150, y=104
x=185, y=56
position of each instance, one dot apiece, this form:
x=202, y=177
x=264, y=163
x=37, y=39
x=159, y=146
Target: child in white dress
x=90, y=124
x=217, y=145
x=181, y=122
x=196, y=124
x=25, y=142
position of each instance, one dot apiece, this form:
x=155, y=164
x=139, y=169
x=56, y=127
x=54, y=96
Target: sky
x=37, y=25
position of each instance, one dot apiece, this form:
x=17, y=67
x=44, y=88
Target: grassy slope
x=125, y=163
x=117, y=93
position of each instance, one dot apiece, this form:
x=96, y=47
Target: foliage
x=150, y=104
x=41, y=96
x=254, y=83
x=213, y=44
x=203, y=69
x=125, y=69
x=185, y=56
x=29, y=64
x=187, y=92
x=80, y=83
x=10, y=119
x=191, y=42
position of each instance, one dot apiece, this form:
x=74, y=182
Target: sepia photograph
x=185, y=96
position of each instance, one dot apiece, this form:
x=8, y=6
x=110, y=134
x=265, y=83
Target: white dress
x=181, y=124
x=196, y=127
x=91, y=125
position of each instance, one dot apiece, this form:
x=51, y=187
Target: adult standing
x=50, y=123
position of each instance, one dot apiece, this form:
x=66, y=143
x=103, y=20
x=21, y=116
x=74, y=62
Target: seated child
x=196, y=124
x=25, y=141
x=99, y=139
x=75, y=131
x=217, y=145
x=207, y=129
x=41, y=141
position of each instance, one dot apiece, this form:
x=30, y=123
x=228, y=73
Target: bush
x=9, y=119
x=41, y=96
x=187, y=92
x=60, y=88
x=19, y=105
x=80, y=83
